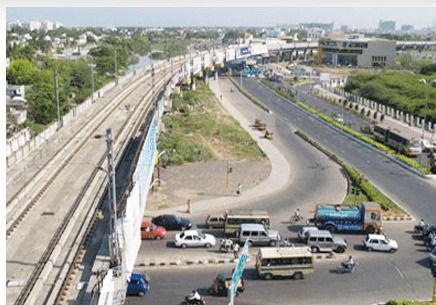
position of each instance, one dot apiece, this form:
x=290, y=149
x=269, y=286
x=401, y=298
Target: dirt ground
x=205, y=180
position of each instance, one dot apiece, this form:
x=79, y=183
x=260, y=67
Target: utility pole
x=56, y=96
x=112, y=200
x=116, y=68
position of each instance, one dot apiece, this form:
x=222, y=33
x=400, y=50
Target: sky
x=224, y=16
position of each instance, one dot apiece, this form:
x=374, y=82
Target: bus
x=294, y=262
x=394, y=141
x=234, y=219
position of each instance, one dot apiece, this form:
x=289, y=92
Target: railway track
x=77, y=210
x=16, y=209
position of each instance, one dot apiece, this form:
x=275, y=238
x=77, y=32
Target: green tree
x=21, y=72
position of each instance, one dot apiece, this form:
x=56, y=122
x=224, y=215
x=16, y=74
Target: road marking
x=399, y=272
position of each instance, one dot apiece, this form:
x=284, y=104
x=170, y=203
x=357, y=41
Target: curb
x=398, y=218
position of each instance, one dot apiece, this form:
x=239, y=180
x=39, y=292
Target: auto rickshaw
x=268, y=135
x=222, y=284
x=259, y=124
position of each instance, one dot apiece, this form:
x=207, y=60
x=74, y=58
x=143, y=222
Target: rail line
x=14, y=220
x=73, y=210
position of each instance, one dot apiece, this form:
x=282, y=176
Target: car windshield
x=182, y=235
x=202, y=235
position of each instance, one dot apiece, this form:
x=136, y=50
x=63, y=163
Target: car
x=172, y=222
x=303, y=233
x=151, y=231
x=215, y=221
x=415, y=148
x=139, y=284
x=379, y=242
x=194, y=238
x=426, y=145
x=433, y=256
x=324, y=241
x=338, y=118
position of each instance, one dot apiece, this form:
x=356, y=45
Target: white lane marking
x=399, y=272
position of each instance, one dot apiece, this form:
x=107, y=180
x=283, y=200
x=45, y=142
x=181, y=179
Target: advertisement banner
x=207, y=61
x=258, y=49
x=218, y=57
x=230, y=54
x=196, y=64
x=243, y=52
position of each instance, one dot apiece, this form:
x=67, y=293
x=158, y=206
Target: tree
x=20, y=72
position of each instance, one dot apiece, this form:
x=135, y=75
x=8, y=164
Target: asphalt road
x=380, y=276
x=416, y=194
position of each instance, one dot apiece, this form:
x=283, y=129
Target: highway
x=415, y=194
x=315, y=179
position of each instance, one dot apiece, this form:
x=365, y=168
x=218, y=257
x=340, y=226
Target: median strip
x=406, y=161
x=370, y=191
x=249, y=96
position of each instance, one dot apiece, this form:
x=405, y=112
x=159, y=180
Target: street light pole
x=112, y=199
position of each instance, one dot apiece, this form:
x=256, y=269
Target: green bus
x=234, y=219
x=293, y=262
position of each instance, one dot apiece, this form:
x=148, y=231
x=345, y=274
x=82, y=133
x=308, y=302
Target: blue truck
x=367, y=218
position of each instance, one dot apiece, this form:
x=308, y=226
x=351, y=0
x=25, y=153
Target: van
x=139, y=284
x=257, y=235
x=323, y=241
x=235, y=218
x=303, y=233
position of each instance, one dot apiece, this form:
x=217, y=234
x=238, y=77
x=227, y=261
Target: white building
x=33, y=26
x=276, y=33
x=58, y=25
x=47, y=26
x=82, y=40
x=315, y=33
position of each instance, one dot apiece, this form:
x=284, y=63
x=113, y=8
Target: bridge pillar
x=305, y=55
x=193, y=84
x=412, y=120
x=407, y=118
x=215, y=75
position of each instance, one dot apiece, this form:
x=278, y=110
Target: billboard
x=230, y=54
x=207, y=60
x=218, y=57
x=243, y=52
x=258, y=49
x=196, y=64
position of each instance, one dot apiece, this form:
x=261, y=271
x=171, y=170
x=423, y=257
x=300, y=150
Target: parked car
x=324, y=241
x=257, y=235
x=139, y=284
x=415, y=148
x=303, y=233
x=172, y=222
x=151, y=231
x=379, y=242
x=426, y=145
x=193, y=238
x=215, y=221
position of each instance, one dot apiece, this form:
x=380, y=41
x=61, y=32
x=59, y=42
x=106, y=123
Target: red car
x=151, y=231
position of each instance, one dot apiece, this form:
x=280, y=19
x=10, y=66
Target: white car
x=378, y=242
x=338, y=117
x=304, y=232
x=193, y=238
x=426, y=145
x=415, y=148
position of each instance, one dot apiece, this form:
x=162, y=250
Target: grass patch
x=406, y=302
x=199, y=130
x=409, y=161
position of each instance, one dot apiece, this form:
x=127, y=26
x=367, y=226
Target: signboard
x=230, y=54
x=243, y=52
x=237, y=274
x=196, y=65
x=258, y=49
x=219, y=57
x=207, y=62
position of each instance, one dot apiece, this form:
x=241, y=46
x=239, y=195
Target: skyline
x=234, y=16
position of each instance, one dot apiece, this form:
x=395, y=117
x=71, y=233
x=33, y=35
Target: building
x=57, y=25
x=386, y=26
x=315, y=33
x=344, y=28
x=357, y=51
x=47, y=26
x=275, y=33
x=16, y=104
x=407, y=28
x=33, y=26
x=328, y=27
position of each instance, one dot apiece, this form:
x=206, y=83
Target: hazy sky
x=234, y=16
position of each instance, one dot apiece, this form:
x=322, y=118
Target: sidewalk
x=278, y=179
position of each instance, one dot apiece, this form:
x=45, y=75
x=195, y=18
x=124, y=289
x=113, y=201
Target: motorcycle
x=226, y=246
x=341, y=269
x=193, y=302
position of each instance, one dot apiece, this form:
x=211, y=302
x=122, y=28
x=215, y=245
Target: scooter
x=226, y=246
x=193, y=302
x=341, y=269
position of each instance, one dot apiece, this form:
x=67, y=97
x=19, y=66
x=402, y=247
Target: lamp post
x=158, y=165
x=426, y=82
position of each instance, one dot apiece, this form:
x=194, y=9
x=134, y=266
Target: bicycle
x=296, y=219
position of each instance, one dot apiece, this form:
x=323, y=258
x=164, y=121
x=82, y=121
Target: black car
x=172, y=222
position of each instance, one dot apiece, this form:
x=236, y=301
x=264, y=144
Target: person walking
x=239, y=190
x=235, y=247
x=189, y=206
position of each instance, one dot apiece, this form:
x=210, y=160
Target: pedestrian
x=189, y=206
x=236, y=250
x=239, y=190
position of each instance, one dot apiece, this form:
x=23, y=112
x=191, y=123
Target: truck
x=367, y=218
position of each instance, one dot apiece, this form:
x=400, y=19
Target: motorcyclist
x=421, y=223
x=193, y=297
x=349, y=263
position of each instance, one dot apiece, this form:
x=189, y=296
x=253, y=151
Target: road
x=315, y=179
x=415, y=194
